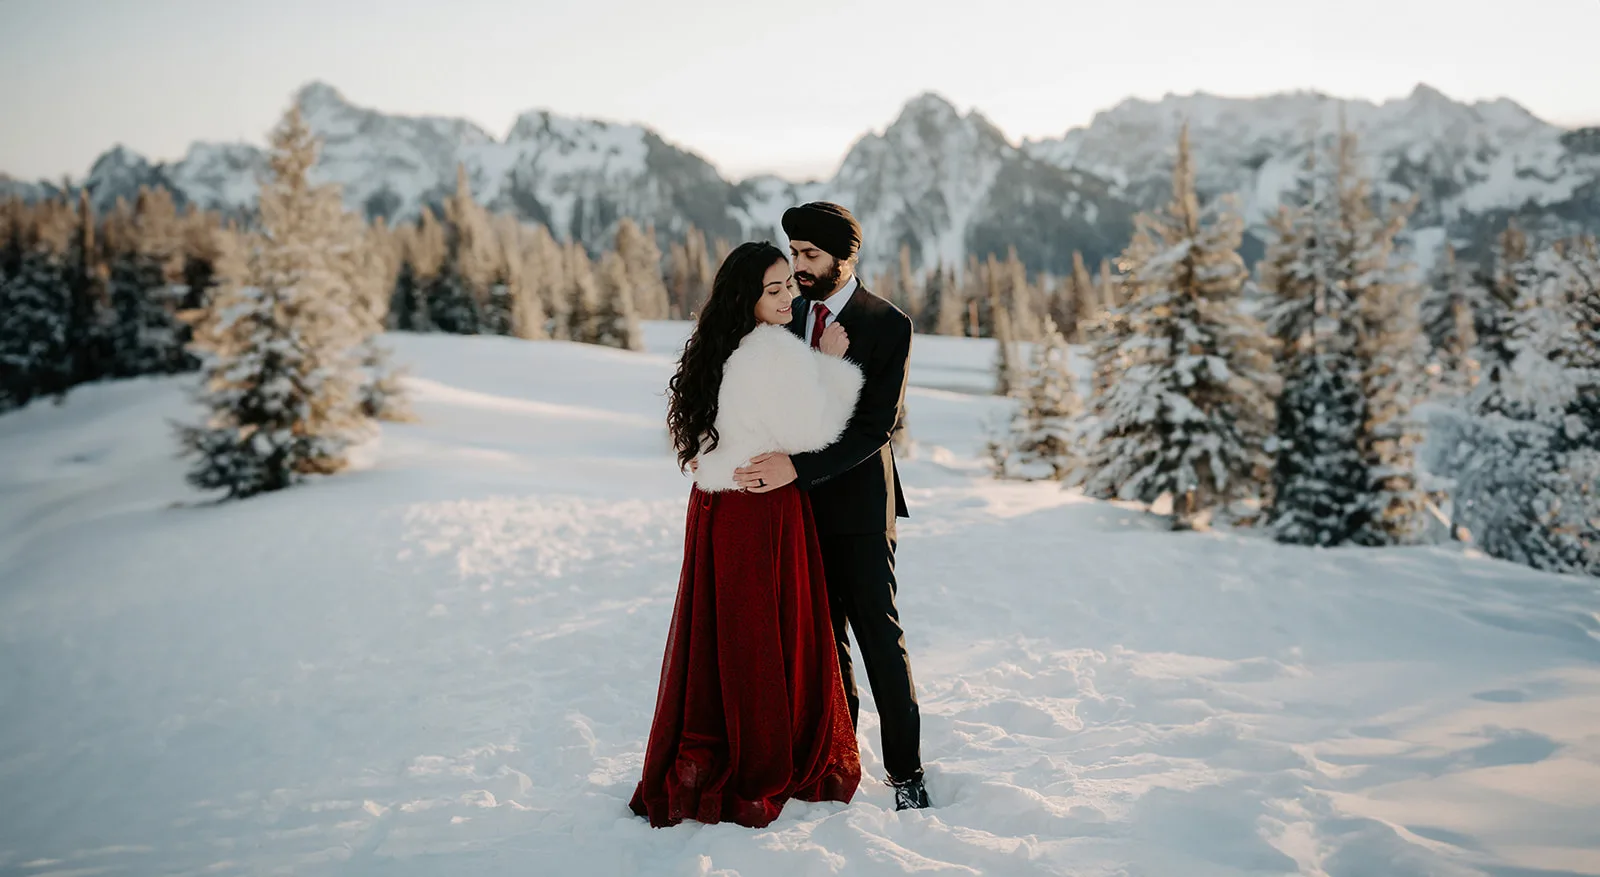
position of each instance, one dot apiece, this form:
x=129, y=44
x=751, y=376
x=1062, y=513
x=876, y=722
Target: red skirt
x=751, y=711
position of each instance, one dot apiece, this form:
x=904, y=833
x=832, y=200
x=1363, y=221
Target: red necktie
x=822, y=322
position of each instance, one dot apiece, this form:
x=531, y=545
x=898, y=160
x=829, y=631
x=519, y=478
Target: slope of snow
x=445, y=662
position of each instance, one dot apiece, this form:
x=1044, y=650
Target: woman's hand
x=834, y=340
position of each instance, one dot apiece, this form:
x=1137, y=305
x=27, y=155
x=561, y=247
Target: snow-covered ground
x=445, y=662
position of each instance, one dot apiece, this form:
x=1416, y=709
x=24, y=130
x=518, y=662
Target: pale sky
x=750, y=86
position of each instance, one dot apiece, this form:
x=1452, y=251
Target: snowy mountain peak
x=118, y=174
x=317, y=95
x=945, y=183
x=930, y=104
x=542, y=126
x=930, y=115
x=1460, y=158
x=1425, y=93
x=118, y=159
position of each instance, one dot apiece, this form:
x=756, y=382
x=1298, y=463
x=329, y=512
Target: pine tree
x=498, y=305
x=1526, y=466
x=642, y=258
x=616, y=323
x=363, y=258
x=35, y=359
x=1511, y=275
x=1191, y=414
x=1109, y=334
x=689, y=274
x=583, y=296
x=1318, y=474
x=1042, y=443
x=946, y=303
x=1077, y=291
x=383, y=391
x=908, y=294
x=1008, y=366
x=407, y=311
x=1317, y=467
x=458, y=298
x=422, y=250
x=87, y=339
x=146, y=292
x=453, y=305
x=282, y=337
x=1019, y=297
x=1351, y=354
x=529, y=315
x=1447, y=319
x=1389, y=351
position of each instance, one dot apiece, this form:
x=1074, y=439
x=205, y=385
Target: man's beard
x=820, y=286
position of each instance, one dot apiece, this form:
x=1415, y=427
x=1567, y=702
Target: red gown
x=751, y=711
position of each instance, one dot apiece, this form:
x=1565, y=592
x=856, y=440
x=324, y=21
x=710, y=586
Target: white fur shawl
x=777, y=395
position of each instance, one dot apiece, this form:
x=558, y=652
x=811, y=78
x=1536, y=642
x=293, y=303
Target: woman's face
x=777, y=293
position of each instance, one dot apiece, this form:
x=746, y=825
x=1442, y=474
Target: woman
x=751, y=711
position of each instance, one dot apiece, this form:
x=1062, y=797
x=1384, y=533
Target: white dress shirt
x=834, y=303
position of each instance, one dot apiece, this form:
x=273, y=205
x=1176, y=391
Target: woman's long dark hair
x=728, y=316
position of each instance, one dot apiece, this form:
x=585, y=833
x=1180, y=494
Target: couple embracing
x=784, y=407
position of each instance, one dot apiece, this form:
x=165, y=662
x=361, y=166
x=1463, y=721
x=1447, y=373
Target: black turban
x=827, y=225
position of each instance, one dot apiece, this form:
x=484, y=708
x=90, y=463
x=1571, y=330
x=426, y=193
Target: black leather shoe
x=910, y=795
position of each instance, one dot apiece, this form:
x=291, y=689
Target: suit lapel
x=856, y=318
x=797, y=319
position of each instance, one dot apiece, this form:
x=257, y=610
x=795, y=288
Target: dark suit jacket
x=853, y=483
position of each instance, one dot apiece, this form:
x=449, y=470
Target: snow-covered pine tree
x=35, y=310
x=452, y=304
x=1526, y=464
x=616, y=323
x=1319, y=471
x=1191, y=414
x=458, y=296
x=497, y=305
x=146, y=291
x=383, y=390
x=1042, y=443
x=1351, y=362
x=1108, y=333
x=1447, y=319
x=364, y=261
x=1511, y=275
x=282, y=337
x=1317, y=467
x=420, y=251
x=88, y=342
x=406, y=309
x=1389, y=352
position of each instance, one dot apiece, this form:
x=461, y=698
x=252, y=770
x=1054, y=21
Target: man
x=853, y=483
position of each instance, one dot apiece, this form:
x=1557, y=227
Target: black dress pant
x=861, y=591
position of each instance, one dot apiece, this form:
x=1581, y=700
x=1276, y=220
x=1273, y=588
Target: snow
x=445, y=662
